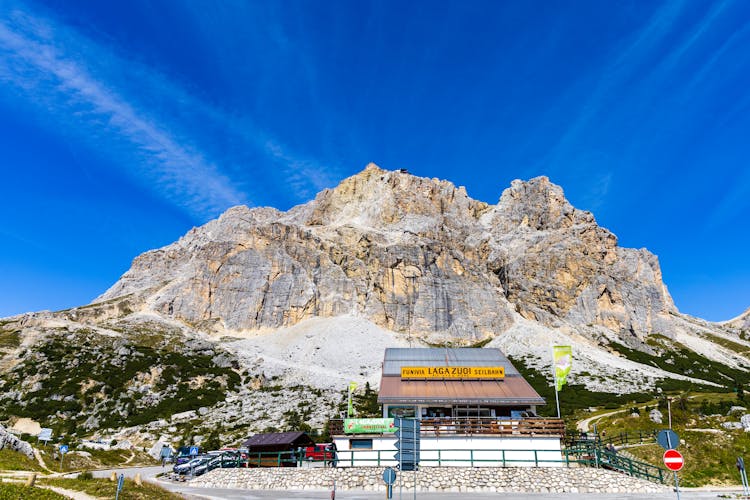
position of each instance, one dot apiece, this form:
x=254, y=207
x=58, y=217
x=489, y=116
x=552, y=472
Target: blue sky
x=124, y=124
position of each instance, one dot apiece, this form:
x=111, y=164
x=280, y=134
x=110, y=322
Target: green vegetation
x=13, y=460
x=82, y=459
x=710, y=451
x=11, y=491
x=732, y=346
x=104, y=488
x=482, y=343
x=81, y=374
x=573, y=396
x=366, y=403
x=86, y=475
x=9, y=340
x=676, y=358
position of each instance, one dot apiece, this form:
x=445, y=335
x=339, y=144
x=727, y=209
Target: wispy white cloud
x=46, y=62
x=301, y=174
x=138, y=119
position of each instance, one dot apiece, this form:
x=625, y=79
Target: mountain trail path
x=74, y=495
x=583, y=425
x=41, y=461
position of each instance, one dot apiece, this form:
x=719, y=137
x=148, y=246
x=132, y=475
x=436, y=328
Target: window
x=360, y=444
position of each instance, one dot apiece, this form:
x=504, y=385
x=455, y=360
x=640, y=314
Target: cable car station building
x=475, y=409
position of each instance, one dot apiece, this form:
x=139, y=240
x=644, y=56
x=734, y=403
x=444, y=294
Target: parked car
x=185, y=467
x=183, y=455
x=321, y=452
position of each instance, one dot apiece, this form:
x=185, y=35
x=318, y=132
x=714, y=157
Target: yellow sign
x=454, y=372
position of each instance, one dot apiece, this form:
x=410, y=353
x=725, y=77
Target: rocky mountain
x=741, y=322
x=309, y=298
x=414, y=255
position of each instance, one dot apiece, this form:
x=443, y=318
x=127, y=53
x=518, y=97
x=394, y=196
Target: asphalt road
x=349, y=495
x=149, y=473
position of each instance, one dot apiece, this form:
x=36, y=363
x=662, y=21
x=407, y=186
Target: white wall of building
x=457, y=451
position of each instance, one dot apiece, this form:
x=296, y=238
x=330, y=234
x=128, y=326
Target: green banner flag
x=562, y=359
x=369, y=425
x=350, y=410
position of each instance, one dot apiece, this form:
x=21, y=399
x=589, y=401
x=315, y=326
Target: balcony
x=524, y=427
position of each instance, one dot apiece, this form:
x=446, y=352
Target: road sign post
x=389, y=477
x=743, y=476
x=674, y=462
x=407, y=444
x=45, y=435
x=668, y=439
x=63, y=450
x=120, y=483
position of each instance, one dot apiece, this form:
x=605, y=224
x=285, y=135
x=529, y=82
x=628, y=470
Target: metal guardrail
x=584, y=453
x=591, y=453
x=619, y=439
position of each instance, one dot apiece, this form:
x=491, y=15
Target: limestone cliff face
x=411, y=254
x=741, y=322
x=556, y=264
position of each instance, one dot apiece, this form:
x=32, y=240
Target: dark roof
x=396, y=357
x=512, y=390
x=278, y=440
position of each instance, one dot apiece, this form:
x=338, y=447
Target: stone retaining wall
x=433, y=479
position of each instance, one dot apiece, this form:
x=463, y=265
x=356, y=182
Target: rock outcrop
x=742, y=321
x=413, y=255
x=259, y=318
x=10, y=442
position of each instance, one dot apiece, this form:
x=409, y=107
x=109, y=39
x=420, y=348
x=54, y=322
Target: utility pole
x=669, y=411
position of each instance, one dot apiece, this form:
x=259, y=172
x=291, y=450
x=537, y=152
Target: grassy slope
x=81, y=373
x=99, y=459
x=709, y=456
x=10, y=491
x=106, y=489
x=13, y=460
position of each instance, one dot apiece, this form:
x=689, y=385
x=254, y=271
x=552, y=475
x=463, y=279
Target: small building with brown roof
x=274, y=449
x=473, y=406
x=454, y=383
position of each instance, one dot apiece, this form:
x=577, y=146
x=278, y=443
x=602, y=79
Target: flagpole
x=554, y=382
x=350, y=409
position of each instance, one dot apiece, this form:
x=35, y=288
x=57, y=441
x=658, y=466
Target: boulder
x=745, y=421
x=732, y=425
x=656, y=416
x=11, y=442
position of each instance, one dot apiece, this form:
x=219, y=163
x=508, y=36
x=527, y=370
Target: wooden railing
x=522, y=427
x=500, y=426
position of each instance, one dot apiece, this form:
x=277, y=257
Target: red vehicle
x=321, y=451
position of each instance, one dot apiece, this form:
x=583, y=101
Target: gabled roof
x=278, y=440
x=396, y=357
x=512, y=390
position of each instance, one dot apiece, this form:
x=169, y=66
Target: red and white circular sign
x=673, y=460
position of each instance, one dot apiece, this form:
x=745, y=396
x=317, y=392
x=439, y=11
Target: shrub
x=85, y=476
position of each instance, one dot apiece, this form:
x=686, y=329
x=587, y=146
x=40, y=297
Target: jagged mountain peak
x=539, y=204
x=386, y=258
x=379, y=199
x=742, y=321
x=411, y=254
